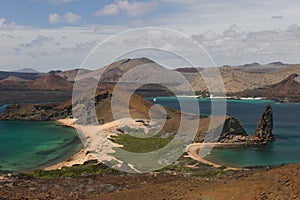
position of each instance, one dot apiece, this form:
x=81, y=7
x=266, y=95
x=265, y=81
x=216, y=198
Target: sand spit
x=96, y=140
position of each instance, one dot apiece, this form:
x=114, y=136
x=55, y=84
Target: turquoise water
x=26, y=146
x=2, y=108
x=286, y=148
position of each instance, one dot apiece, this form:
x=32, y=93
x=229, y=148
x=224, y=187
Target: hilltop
x=50, y=82
x=26, y=70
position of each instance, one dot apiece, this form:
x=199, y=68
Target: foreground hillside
x=277, y=183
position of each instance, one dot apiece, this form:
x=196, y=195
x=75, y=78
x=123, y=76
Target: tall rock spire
x=265, y=125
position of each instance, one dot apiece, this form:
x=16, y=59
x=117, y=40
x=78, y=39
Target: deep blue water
x=286, y=148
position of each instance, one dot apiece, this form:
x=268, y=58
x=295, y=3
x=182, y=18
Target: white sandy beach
x=194, y=149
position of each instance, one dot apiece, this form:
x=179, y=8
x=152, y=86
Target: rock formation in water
x=265, y=125
x=233, y=131
x=234, y=134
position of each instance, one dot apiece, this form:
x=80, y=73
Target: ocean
x=26, y=146
x=284, y=150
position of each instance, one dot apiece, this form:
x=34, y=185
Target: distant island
x=26, y=70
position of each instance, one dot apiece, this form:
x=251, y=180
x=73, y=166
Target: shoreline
x=96, y=138
x=194, y=149
x=78, y=158
x=83, y=155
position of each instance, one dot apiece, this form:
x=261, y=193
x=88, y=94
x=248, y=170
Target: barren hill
x=27, y=70
x=236, y=80
x=113, y=72
x=71, y=75
x=50, y=82
x=13, y=81
x=288, y=89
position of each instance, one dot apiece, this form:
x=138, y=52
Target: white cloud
x=261, y=34
x=39, y=41
x=80, y=48
x=194, y=16
x=53, y=18
x=235, y=46
x=72, y=18
x=38, y=47
x=111, y=9
x=2, y=22
x=133, y=9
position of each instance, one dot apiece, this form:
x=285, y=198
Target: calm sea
x=26, y=146
x=286, y=148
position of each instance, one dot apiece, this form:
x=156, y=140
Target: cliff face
x=265, y=125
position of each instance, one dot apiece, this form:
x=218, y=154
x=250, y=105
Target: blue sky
x=36, y=12
x=51, y=34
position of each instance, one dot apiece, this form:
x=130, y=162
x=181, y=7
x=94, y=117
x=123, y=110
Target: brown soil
x=50, y=82
x=287, y=89
x=237, y=81
x=278, y=183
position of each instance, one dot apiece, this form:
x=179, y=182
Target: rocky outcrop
x=233, y=131
x=36, y=112
x=265, y=125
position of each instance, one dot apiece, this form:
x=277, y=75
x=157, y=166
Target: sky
x=59, y=34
